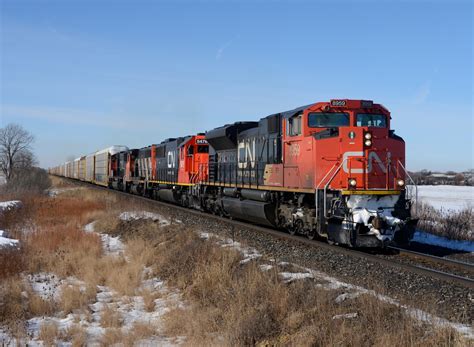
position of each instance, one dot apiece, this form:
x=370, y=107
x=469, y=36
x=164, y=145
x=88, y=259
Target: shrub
x=455, y=225
x=33, y=180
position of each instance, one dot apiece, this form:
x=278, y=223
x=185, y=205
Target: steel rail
x=446, y=261
x=420, y=270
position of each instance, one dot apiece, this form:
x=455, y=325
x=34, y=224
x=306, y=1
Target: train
x=331, y=170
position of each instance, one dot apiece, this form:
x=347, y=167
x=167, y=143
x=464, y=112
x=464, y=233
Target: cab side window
x=294, y=125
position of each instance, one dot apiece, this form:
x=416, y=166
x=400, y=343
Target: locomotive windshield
x=328, y=120
x=371, y=120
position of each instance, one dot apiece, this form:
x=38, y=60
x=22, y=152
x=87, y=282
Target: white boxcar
x=82, y=168
x=75, y=168
x=90, y=167
x=102, y=159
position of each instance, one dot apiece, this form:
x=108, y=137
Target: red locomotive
x=331, y=169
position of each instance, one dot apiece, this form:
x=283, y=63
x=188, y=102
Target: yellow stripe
x=246, y=186
x=371, y=192
x=173, y=183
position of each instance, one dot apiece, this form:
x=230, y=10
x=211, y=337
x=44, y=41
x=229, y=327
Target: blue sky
x=82, y=75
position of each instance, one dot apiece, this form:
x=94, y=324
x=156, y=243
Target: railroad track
x=446, y=261
x=392, y=262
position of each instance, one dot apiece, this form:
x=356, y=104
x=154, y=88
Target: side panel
x=90, y=169
x=101, y=168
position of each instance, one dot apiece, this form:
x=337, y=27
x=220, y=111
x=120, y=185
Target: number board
x=338, y=103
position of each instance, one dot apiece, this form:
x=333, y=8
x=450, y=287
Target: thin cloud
x=422, y=93
x=226, y=45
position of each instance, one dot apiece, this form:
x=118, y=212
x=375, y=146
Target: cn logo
x=246, y=154
x=171, y=159
x=372, y=157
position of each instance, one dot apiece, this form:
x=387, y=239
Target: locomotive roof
x=348, y=104
x=291, y=113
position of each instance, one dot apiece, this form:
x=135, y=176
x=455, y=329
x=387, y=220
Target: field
x=453, y=198
x=446, y=216
x=94, y=268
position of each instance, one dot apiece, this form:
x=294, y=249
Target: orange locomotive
x=333, y=170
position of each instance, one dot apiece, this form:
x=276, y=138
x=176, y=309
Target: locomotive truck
x=333, y=170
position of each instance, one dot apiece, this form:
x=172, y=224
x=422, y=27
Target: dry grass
x=110, y=317
x=12, y=309
x=141, y=331
x=74, y=298
x=121, y=275
x=76, y=335
x=12, y=262
x=58, y=182
x=37, y=306
x=48, y=333
x=149, y=297
x=112, y=336
x=62, y=250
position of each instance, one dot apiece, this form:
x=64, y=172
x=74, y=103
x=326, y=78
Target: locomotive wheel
x=292, y=230
x=311, y=234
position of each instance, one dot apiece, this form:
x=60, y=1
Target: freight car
x=331, y=169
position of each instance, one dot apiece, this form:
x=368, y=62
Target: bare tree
x=15, y=149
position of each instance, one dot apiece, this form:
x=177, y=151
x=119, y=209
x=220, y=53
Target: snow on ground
x=131, y=308
x=10, y=205
x=6, y=242
x=46, y=285
x=435, y=240
x=135, y=215
x=56, y=191
x=249, y=253
x=444, y=197
x=110, y=244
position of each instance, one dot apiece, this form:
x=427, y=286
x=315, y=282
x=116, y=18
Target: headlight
x=368, y=136
x=352, y=182
x=401, y=183
x=368, y=143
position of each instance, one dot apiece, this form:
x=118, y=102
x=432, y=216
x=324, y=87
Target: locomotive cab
x=358, y=167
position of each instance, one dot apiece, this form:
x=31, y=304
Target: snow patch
x=346, y=316
x=293, y=276
x=10, y=205
x=346, y=296
x=248, y=253
x=53, y=192
x=131, y=309
x=136, y=215
x=6, y=242
x=366, y=206
x=266, y=267
x=110, y=244
x=435, y=240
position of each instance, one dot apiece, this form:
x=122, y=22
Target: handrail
x=329, y=171
x=317, y=187
x=414, y=184
x=327, y=184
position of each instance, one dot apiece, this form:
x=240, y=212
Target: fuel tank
x=168, y=195
x=252, y=211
